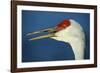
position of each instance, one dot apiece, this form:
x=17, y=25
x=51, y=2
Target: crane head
x=68, y=31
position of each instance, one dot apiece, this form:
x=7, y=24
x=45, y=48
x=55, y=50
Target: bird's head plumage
x=62, y=25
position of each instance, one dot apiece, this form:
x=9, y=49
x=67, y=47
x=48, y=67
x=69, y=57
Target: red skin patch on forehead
x=63, y=25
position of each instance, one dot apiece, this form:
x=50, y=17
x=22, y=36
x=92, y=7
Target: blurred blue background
x=48, y=49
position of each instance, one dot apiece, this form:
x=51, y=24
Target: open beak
x=50, y=31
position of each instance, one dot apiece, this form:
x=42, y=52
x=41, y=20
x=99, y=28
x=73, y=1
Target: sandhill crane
x=68, y=31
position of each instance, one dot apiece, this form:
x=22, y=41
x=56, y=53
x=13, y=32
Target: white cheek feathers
x=74, y=35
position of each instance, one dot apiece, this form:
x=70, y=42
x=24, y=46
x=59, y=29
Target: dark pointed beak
x=51, y=32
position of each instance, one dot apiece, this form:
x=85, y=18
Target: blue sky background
x=48, y=49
